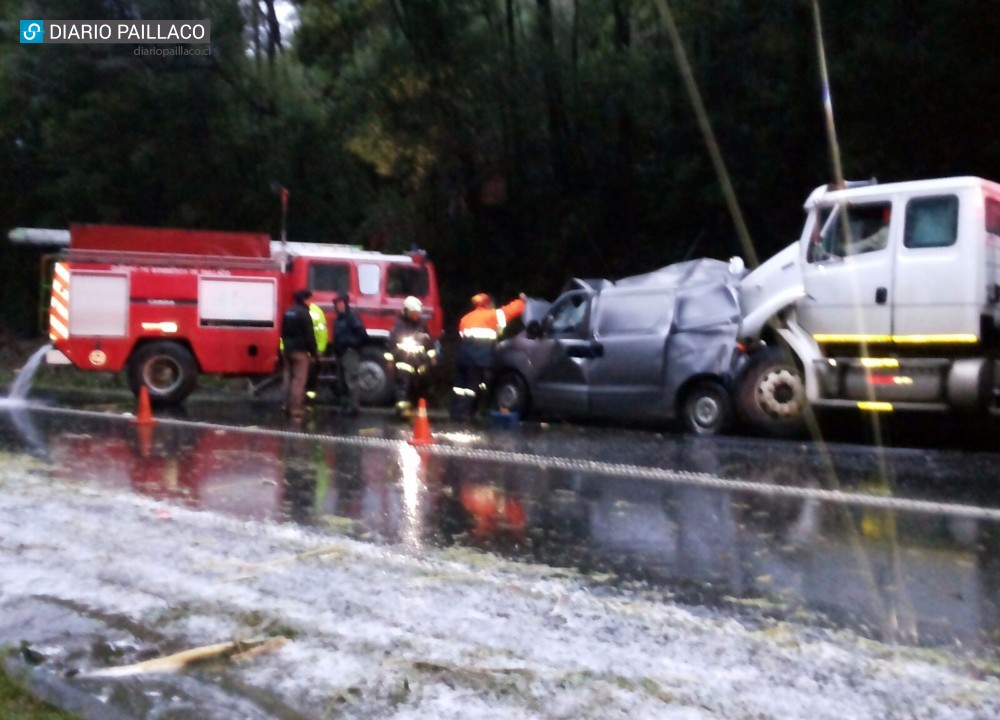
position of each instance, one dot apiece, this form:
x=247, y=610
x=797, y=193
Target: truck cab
x=889, y=300
x=376, y=283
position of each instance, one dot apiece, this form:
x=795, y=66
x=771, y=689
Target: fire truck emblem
x=97, y=358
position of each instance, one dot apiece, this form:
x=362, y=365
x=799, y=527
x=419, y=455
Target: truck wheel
x=374, y=379
x=167, y=369
x=510, y=393
x=706, y=409
x=772, y=395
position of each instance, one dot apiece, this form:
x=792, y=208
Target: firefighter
x=478, y=331
x=349, y=336
x=412, y=352
x=298, y=343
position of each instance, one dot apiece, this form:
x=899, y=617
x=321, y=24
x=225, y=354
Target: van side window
x=852, y=230
x=403, y=280
x=369, y=276
x=931, y=222
x=329, y=277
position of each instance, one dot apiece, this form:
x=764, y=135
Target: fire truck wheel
x=374, y=378
x=706, y=408
x=772, y=395
x=167, y=369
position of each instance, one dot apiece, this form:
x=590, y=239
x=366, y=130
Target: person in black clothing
x=349, y=336
x=299, y=348
x=412, y=351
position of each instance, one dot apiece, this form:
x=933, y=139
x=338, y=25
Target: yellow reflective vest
x=319, y=327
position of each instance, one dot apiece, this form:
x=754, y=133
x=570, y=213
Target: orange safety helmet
x=482, y=300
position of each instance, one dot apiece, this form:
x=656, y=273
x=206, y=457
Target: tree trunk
x=624, y=181
x=559, y=135
x=273, y=31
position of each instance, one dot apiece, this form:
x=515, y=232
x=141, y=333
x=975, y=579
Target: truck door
x=563, y=354
x=848, y=273
x=626, y=375
x=937, y=269
x=327, y=279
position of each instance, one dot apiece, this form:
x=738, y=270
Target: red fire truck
x=166, y=305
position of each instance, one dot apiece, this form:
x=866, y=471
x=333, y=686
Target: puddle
x=906, y=578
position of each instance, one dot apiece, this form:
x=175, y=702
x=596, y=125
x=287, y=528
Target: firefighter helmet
x=412, y=305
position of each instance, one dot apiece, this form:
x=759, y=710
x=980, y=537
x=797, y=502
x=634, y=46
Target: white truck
x=889, y=300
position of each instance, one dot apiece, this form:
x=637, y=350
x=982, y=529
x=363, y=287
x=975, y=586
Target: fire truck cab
x=167, y=305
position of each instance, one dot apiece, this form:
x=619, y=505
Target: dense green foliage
x=519, y=141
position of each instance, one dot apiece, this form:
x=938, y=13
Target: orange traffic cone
x=144, y=434
x=421, y=427
x=144, y=415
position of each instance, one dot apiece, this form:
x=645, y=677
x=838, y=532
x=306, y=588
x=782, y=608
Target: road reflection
x=899, y=576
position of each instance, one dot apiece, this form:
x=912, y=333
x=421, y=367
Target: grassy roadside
x=18, y=704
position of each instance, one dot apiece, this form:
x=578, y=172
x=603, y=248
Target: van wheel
x=374, y=378
x=772, y=395
x=510, y=393
x=167, y=369
x=707, y=409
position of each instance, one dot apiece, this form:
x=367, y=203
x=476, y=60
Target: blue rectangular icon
x=32, y=31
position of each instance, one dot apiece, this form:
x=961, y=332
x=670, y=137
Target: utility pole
x=831, y=129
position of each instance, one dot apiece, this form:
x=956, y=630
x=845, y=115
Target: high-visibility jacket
x=319, y=327
x=318, y=318
x=488, y=323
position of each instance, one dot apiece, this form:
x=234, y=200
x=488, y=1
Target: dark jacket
x=348, y=332
x=297, y=332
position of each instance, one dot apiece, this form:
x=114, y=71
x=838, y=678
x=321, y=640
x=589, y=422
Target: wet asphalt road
x=914, y=577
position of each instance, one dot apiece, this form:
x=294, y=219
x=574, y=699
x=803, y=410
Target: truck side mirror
x=533, y=330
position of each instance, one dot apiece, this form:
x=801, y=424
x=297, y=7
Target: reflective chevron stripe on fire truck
x=59, y=304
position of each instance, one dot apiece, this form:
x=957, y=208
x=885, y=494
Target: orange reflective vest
x=488, y=323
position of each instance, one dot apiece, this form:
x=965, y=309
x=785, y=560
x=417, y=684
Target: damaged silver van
x=656, y=347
